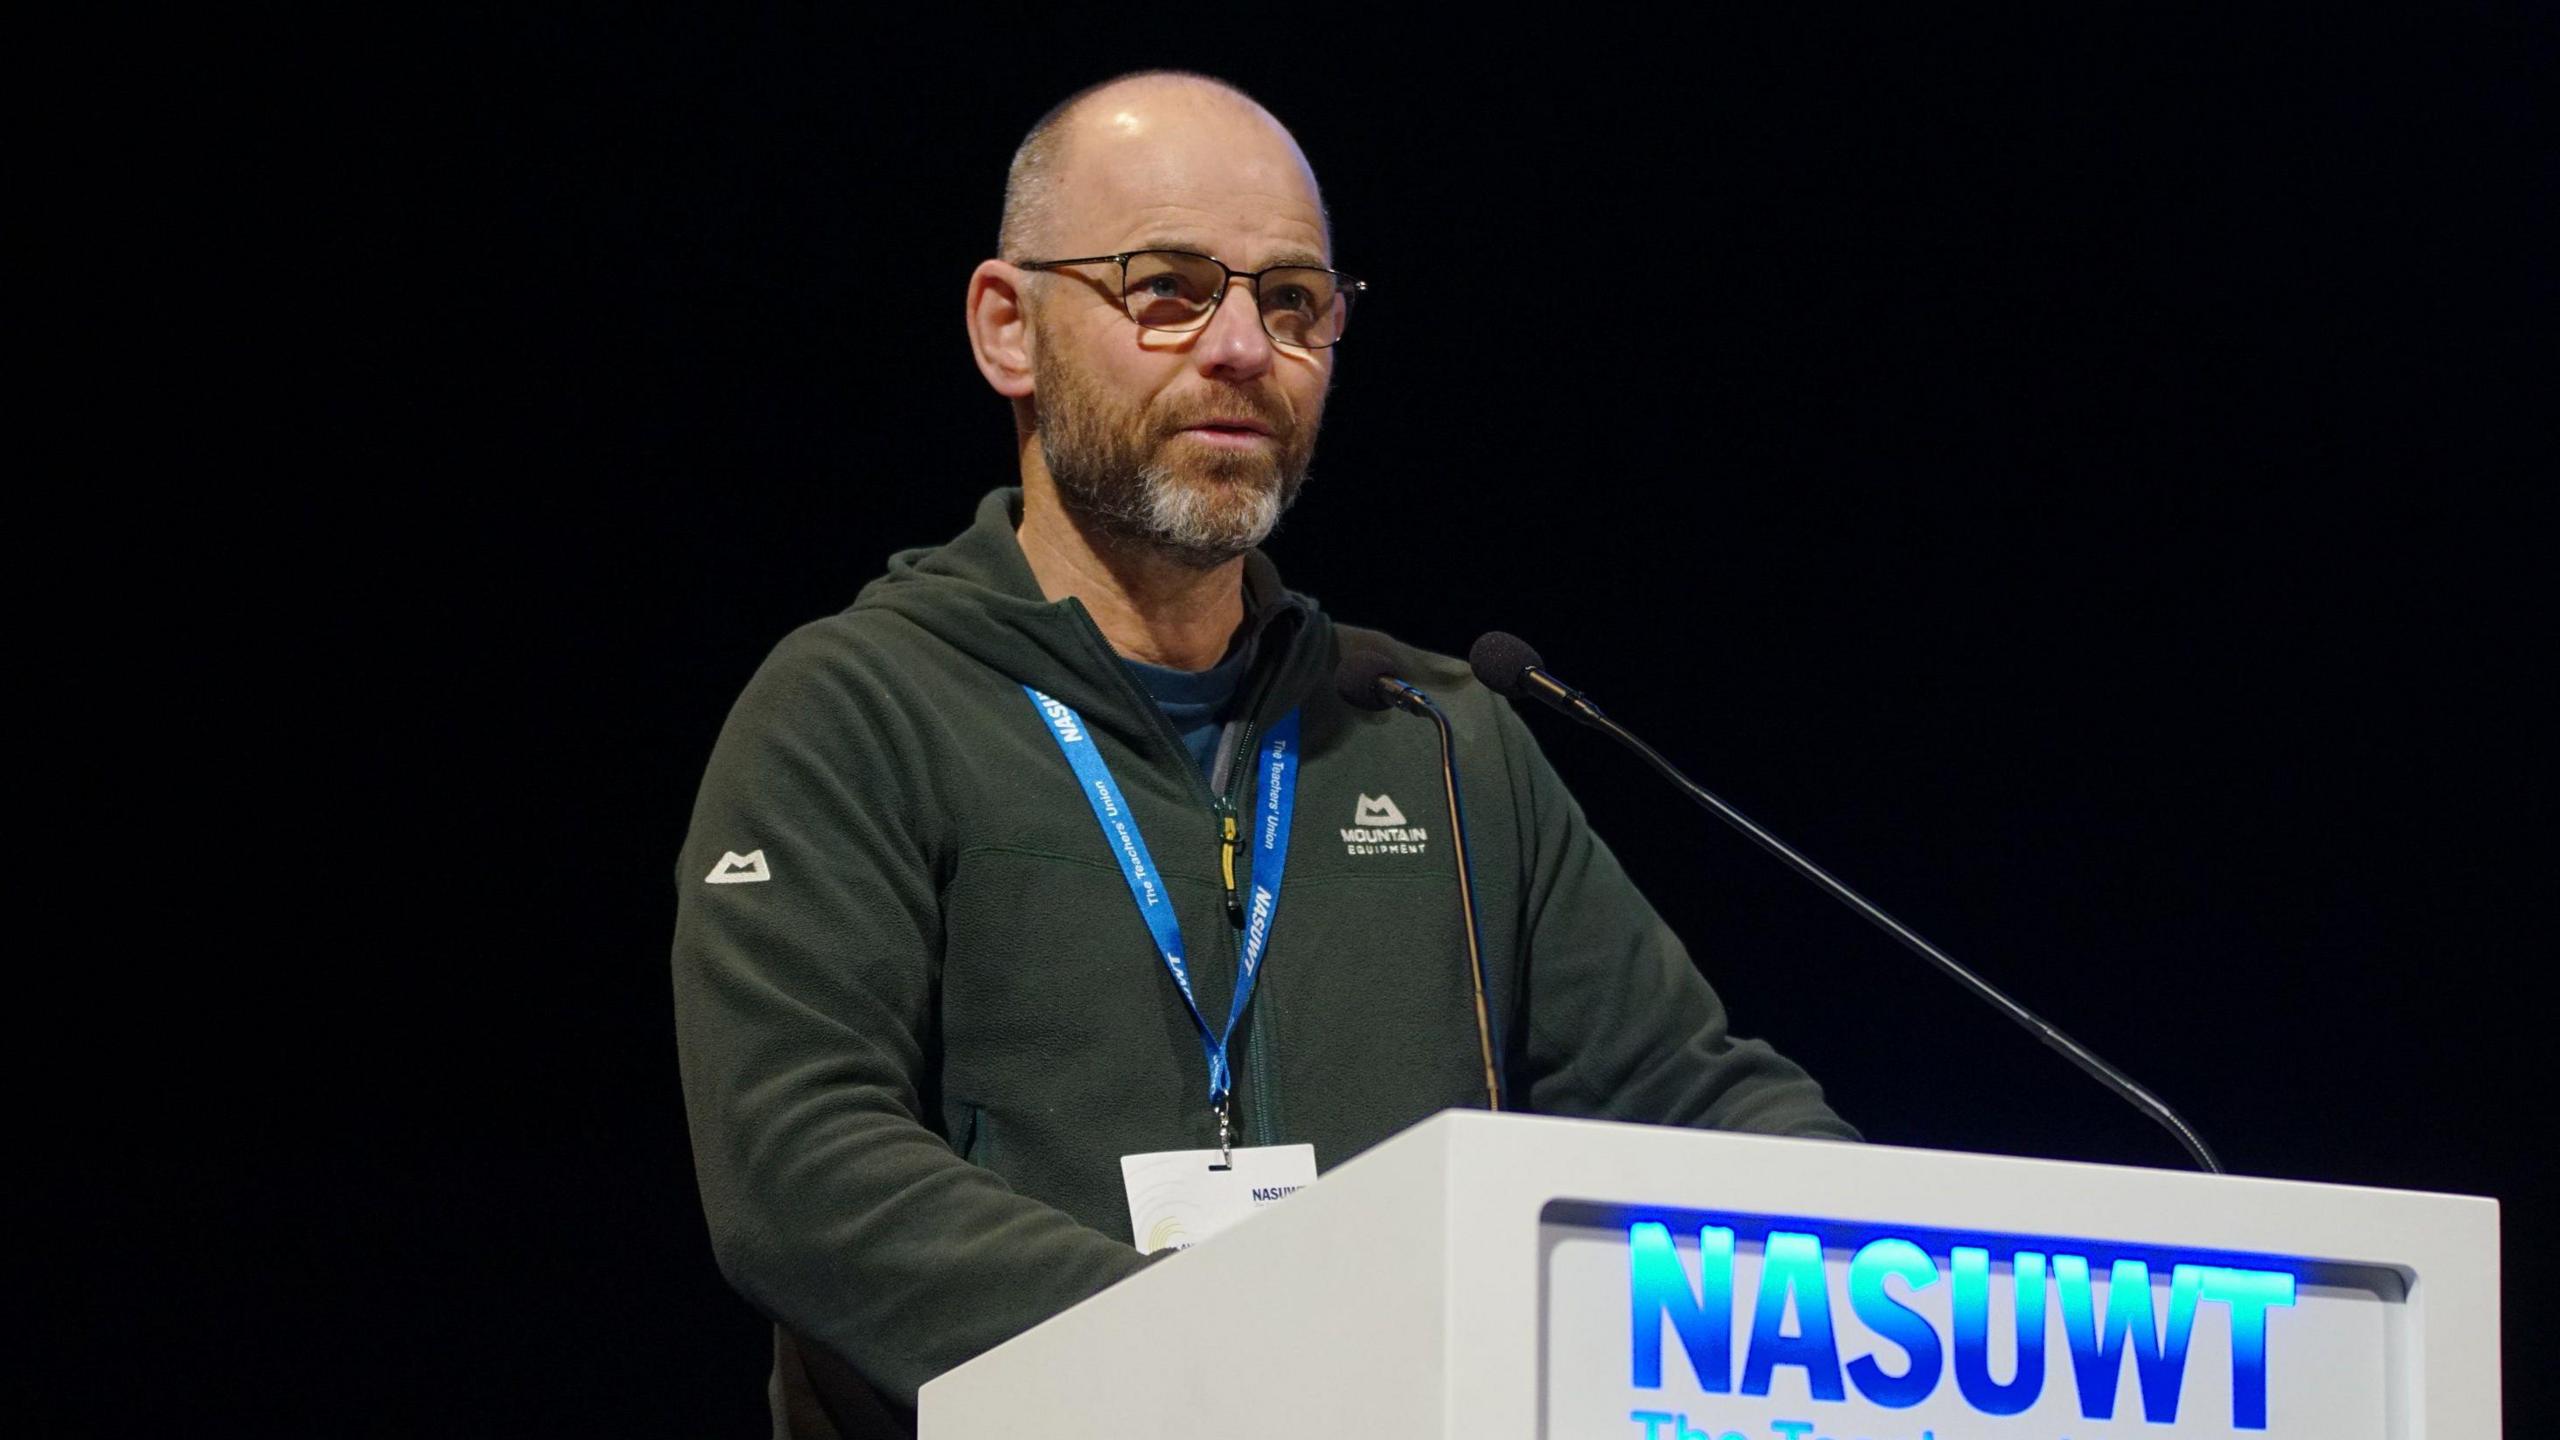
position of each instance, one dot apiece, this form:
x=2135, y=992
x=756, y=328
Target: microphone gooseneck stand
x=1507, y=665
x=1367, y=680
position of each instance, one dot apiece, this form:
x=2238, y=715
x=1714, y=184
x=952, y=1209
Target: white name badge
x=1178, y=1198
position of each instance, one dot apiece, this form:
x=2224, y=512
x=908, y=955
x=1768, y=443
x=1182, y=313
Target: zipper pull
x=1227, y=860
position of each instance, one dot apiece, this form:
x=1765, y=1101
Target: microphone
x=1507, y=666
x=1366, y=680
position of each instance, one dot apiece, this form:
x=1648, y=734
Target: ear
x=999, y=327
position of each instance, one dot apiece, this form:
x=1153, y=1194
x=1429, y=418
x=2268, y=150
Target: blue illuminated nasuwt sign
x=1689, y=1310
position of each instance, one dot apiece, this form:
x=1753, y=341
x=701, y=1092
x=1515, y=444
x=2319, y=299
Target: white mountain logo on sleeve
x=737, y=869
x=1371, y=814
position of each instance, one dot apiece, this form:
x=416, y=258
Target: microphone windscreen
x=1356, y=679
x=1498, y=660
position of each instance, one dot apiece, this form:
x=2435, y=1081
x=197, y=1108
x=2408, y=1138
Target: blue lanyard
x=1275, y=798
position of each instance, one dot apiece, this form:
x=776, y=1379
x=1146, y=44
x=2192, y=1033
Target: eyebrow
x=1293, y=257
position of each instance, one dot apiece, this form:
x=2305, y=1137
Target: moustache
x=1271, y=412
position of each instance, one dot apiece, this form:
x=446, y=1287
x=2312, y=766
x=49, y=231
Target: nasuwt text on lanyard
x=1275, y=796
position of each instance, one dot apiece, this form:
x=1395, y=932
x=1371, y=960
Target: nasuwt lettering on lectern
x=1917, y=1319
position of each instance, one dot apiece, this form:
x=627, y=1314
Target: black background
x=2082, y=478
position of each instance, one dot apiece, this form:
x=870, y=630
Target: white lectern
x=1493, y=1277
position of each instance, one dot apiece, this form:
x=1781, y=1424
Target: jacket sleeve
x=804, y=1007
x=1617, y=1022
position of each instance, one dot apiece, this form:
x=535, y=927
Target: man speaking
x=1059, y=848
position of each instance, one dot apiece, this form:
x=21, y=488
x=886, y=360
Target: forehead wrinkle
x=1213, y=204
x=1273, y=240
x=1273, y=258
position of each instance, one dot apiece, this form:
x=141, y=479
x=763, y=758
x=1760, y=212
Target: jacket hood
x=978, y=595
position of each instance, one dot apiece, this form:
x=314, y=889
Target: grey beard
x=1194, y=528
x=1104, y=459
x=1151, y=506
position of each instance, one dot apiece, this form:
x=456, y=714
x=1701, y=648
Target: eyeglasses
x=1175, y=291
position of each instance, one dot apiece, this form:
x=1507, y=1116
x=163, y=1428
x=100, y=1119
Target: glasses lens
x=1304, y=306
x=1169, y=290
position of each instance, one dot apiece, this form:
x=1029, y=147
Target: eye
x=1169, y=289
x=1301, y=293
x=1165, y=275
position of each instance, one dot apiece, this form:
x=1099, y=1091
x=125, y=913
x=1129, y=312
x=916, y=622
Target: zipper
x=1223, y=809
x=1222, y=813
x=1259, y=1032
x=1240, y=773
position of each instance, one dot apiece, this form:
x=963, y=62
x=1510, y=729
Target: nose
x=1234, y=346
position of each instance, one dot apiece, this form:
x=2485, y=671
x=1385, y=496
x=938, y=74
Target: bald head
x=1102, y=131
x=1180, y=444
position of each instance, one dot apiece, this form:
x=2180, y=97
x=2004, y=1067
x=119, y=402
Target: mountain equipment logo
x=737, y=869
x=1372, y=813
x=1378, y=828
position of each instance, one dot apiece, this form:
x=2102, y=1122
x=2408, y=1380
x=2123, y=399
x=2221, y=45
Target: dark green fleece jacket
x=914, y=1055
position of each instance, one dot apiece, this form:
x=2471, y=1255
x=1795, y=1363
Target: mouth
x=1238, y=431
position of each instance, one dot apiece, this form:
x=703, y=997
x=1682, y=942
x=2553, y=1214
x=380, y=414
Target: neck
x=1152, y=609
